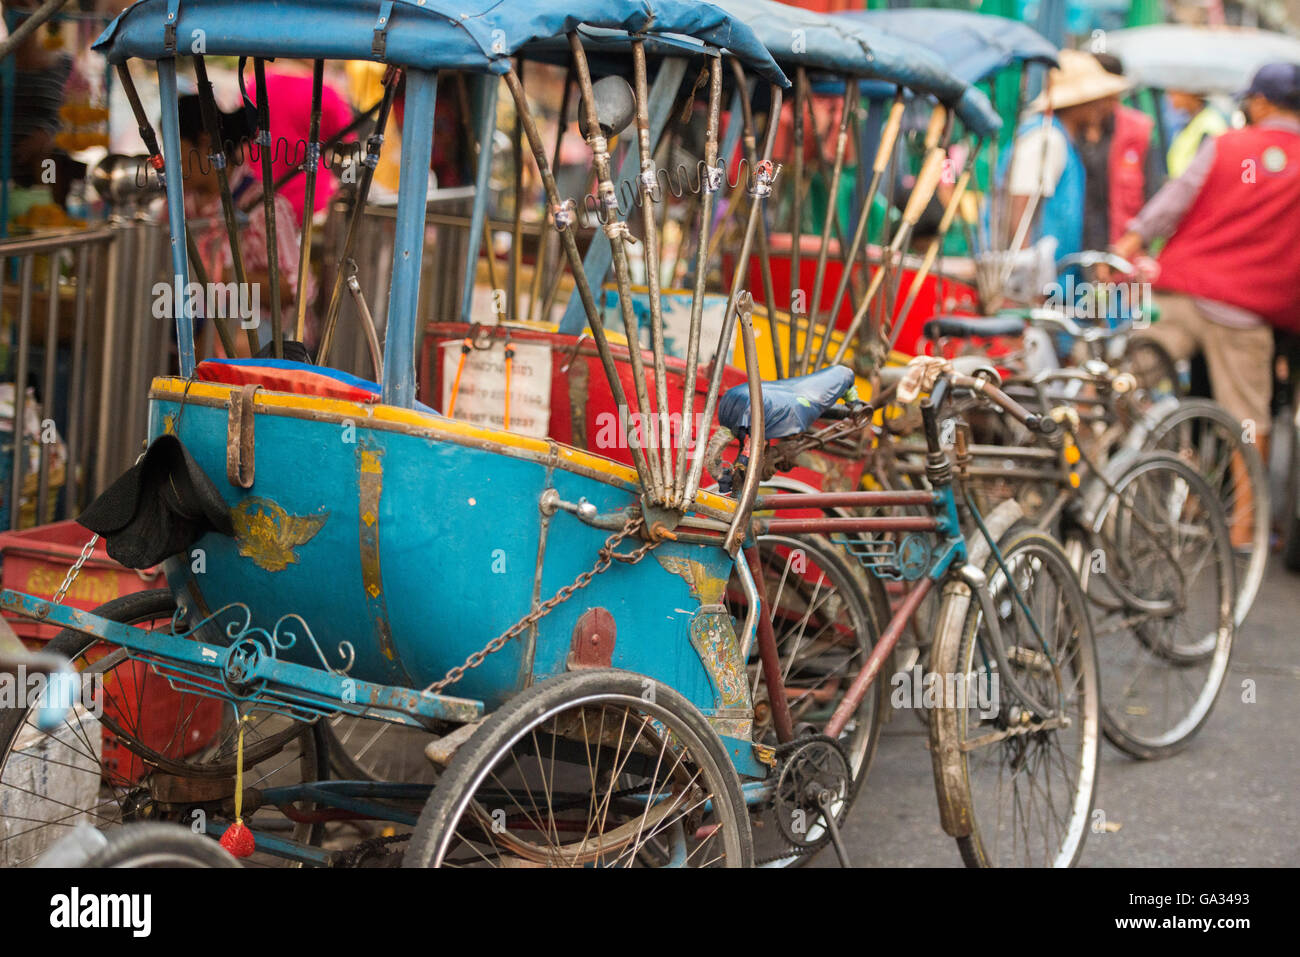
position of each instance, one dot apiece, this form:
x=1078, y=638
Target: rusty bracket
x=239, y=438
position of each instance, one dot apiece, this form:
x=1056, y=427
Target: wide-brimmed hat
x=1079, y=79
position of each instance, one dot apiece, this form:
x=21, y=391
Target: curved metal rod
x=739, y=529
x=374, y=144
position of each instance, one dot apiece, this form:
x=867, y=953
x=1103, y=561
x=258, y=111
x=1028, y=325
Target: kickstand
x=824, y=800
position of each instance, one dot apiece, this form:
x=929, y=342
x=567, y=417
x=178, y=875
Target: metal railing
x=78, y=312
x=78, y=308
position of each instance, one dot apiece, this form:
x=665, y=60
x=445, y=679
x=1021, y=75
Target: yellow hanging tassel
x=238, y=839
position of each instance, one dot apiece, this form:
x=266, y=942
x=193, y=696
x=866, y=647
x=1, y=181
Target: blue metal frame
x=225, y=657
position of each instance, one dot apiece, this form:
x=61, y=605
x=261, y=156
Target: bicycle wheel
x=365, y=749
x=139, y=748
x=160, y=845
x=1016, y=784
x=825, y=628
x=1205, y=435
x=1159, y=575
x=1288, y=509
x=1153, y=367
x=591, y=768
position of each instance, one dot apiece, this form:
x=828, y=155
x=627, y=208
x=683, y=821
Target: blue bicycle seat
x=789, y=405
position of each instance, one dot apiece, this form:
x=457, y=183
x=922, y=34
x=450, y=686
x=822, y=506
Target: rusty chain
x=87, y=550
x=607, y=557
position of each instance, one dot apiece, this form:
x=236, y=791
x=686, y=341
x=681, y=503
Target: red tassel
x=238, y=840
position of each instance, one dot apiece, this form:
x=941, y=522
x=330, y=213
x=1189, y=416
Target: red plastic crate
x=35, y=561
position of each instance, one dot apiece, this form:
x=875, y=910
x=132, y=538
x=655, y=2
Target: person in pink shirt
x=288, y=89
x=203, y=212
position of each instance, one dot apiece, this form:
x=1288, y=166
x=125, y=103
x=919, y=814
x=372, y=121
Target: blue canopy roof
x=797, y=37
x=828, y=43
x=973, y=46
x=423, y=34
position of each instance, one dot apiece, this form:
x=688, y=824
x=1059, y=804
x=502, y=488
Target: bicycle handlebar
x=1043, y=425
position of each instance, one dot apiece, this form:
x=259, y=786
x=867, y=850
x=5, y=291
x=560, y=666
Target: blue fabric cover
x=789, y=405
x=973, y=46
x=427, y=35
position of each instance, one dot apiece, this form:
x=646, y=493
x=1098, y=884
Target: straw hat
x=1079, y=79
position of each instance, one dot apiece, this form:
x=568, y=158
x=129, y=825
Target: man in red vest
x=1230, y=272
x=1123, y=171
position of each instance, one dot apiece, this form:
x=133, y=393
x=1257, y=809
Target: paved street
x=1229, y=799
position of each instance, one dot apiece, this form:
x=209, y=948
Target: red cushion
x=302, y=381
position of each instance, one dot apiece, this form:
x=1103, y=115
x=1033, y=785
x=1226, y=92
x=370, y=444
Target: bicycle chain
x=354, y=855
x=607, y=557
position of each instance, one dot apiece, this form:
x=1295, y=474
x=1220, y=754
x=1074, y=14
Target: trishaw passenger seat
x=789, y=405
x=940, y=327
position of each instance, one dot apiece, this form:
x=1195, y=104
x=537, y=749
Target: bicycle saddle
x=942, y=326
x=789, y=405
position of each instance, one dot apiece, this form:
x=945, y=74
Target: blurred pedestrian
x=1230, y=272
x=1046, y=158
x=1202, y=120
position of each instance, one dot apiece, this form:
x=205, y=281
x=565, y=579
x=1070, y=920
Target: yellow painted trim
x=377, y=412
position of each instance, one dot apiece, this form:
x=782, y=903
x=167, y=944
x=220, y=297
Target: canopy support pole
x=564, y=218
x=617, y=236
x=949, y=214
x=709, y=183
x=888, y=137
x=171, y=136
x=485, y=107
x=408, y=246
x=750, y=140
x=926, y=181
x=309, y=195
x=761, y=185
x=796, y=227
x=653, y=255
x=837, y=169
x=217, y=156
x=265, y=147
